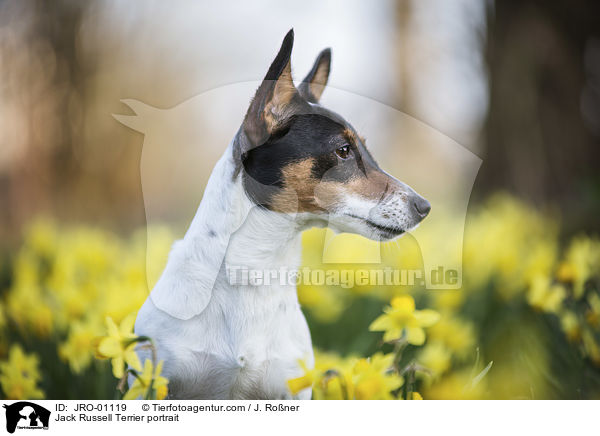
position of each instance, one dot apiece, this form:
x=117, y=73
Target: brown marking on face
x=302, y=192
x=350, y=135
x=370, y=186
x=297, y=194
x=374, y=186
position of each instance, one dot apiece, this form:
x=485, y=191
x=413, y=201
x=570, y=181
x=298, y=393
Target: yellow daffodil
x=435, y=357
x=148, y=378
x=401, y=318
x=327, y=303
x=373, y=378
x=457, y=334
x=330, y=378
x=507, y=242
x=456, y=386
x=544, y=295
x=591, y=347
x=295, y=385
x=78, y=349
x=416, y=396
x=581, y=261
x=571, y=326
x=64, y=282
x=27, y=303
x=448, y=300
x=592, y=315
x=333, y=377
x=19, y=375
x=119, y=345
x=336, y=378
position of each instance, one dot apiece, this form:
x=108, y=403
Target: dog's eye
x=343, y=152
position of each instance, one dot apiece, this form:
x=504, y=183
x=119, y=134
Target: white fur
x=220, y=341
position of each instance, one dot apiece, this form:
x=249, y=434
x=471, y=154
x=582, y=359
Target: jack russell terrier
x=292, y=165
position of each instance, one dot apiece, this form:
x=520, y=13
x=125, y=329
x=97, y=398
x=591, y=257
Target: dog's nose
x=422, y=206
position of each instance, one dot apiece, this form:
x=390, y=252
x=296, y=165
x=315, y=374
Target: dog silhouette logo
x=175, y=165
x=26, y=415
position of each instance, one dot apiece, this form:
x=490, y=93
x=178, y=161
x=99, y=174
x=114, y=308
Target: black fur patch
x=313, y=136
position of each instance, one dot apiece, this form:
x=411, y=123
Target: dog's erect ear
x=313, y=85
x=271, y=103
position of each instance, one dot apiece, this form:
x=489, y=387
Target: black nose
x=422, y=206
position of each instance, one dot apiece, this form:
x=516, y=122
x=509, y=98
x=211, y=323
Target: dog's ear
x=313, y=85
x=271, y=104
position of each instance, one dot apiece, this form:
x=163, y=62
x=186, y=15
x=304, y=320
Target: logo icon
x=26, y=415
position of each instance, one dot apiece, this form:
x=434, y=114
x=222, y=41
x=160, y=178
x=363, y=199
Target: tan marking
x=371, y=186
x=350, y=135
x=330, y=194
x=302, y=192
x=297, y=194
x=317, y=84
x=283, y=93
x=353, y=137
x=374, y=183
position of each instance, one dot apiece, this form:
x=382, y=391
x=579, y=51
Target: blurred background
x=513, y=83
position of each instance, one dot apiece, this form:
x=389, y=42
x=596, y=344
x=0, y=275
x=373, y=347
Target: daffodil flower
x=147, y=379
x=373, y=379
x=119, y=346
x=436, y=358
x=78, y=349
x=544, y=295
x=401, y=318
x=19, y=375
x=416, y=396
x=305, y=381
x=593, y=314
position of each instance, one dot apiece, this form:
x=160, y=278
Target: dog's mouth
x=386, y=232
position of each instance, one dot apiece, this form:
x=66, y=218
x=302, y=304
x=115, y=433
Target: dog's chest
x=246, y=352
x=267, y=355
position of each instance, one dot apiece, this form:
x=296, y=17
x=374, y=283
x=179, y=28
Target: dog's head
x=298, y=157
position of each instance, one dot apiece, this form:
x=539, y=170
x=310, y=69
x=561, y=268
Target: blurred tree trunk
x=43, y=145
x=542, y=135
x=38, y=47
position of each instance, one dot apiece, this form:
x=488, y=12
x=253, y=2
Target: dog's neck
x=228, y=220
x=229, y=230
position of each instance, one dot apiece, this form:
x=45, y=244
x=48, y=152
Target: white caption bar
x=300, y=417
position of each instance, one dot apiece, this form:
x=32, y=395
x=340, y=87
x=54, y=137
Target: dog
x=292, y=165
